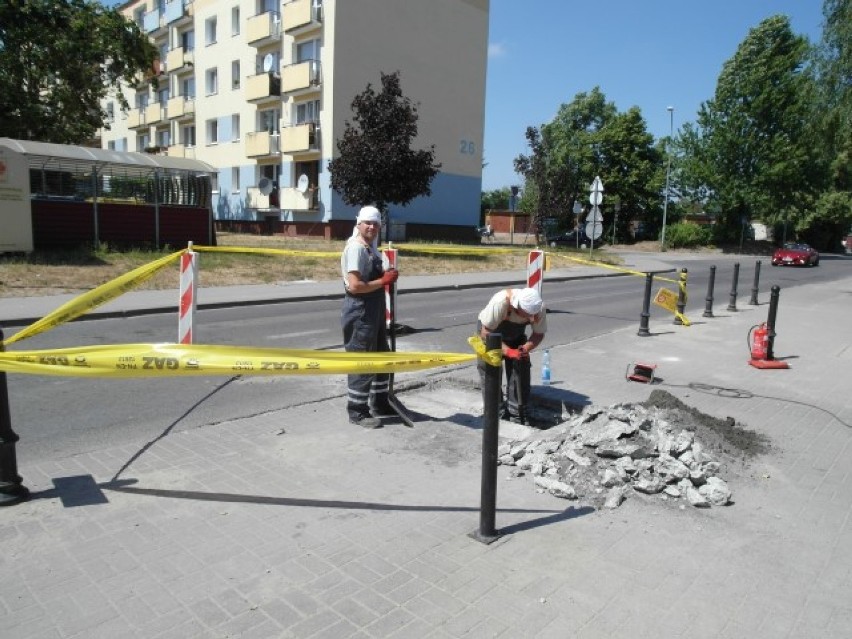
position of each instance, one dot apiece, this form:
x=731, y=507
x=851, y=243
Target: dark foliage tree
x=376, y=164
x=58, y=60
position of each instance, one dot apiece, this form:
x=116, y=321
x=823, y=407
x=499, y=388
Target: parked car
x=568, y=238
x=795, y=254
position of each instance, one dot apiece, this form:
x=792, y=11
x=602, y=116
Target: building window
x=142, y=142
x=141, y=100
x=187, y=135
x=214, y=182
x=110, y=112
x=307, y=112
x=163, y=138
x=235, y=179
x=235, y=74
x=235, y=127
x=111, y=145
x=212, y=131
x=187, y=40
x=210, y=31
x=188, y=88
x=235, y=21
x=309, y=50
x=268, y=120
x=212, y=81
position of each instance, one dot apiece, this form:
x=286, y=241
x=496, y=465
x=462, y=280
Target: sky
x=647, y=53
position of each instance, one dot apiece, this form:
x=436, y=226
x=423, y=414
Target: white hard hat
x=528, y=300
x=369, y=214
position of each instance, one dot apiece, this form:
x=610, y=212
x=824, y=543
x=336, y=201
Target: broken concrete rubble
x=604, y=454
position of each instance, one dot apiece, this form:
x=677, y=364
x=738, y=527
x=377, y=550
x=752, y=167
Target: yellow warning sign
x=668, y=300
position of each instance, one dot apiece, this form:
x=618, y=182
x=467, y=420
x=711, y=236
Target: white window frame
x=235, y=127
x=235, y=179
x=212, y=131
x=235, y=74
x=211, y=81
x=235, y=21
x=210, y=27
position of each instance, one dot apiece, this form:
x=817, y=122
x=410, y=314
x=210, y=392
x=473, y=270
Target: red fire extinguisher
x=758, y=338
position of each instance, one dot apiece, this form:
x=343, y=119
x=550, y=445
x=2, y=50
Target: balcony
x=300, y=78
x=153, y=21
x=294, y=200
x=180, y=108
x=136, y=118
x=263, y=87
x=155, y=113
x=180, y=60
x=263, y=29
x=257, y=200
x=181, y=151
x=261, y=144
x=300, y=138
x=178, y=12
x=300, y=16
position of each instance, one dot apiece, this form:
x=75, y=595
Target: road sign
x=594, y=215
x=596, y=195
x=594, y=230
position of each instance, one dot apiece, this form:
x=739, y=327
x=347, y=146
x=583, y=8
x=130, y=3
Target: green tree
x=832, y=216
x=752, y=143
x=58, y=60
x=376, y=163
x=497, y=199
x=588, y=138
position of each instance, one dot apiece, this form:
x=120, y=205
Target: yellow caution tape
x=494, y=358
x=617, y=268
x=263, y=251
x=94, y=298
x=168, y=360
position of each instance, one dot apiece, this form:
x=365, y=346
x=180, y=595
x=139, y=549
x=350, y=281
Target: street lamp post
x=668, y=172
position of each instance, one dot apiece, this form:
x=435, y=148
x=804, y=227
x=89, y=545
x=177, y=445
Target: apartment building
x=261, y=90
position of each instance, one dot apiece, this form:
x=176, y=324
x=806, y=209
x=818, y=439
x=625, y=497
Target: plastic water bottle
x=545, y=367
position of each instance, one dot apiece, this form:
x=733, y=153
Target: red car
x=795, y=254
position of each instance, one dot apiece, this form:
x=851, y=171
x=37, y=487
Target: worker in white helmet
x=509, y=312
x=363, y=317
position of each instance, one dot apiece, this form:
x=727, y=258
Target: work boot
x=364, y=420
x=383, y=409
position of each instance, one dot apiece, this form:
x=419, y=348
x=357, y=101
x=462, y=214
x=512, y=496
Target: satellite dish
x=265, y=186
x=302, y=184
x=267, y=62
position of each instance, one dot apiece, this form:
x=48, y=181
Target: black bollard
x=753, y=300
x=774, y=294
x=646, y=306
x=492, y=380
x=681, y=297
x=12, y=489
x=708, y=301
x=732, y=303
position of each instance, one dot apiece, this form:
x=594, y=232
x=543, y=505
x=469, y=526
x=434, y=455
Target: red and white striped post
x=535, y=270
x=188, y=285
x=390, y=304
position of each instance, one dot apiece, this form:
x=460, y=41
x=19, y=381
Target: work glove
x=389, y=277
x=512, y=353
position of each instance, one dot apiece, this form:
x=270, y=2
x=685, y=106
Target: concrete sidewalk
x=297, y=524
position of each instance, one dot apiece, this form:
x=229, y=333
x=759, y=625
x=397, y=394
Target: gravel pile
x=660, y=448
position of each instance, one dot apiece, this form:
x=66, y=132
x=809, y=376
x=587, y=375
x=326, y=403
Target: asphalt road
x=58, y=417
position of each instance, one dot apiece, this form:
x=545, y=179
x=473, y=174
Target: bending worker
x=509, y=312
x=363, y=316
